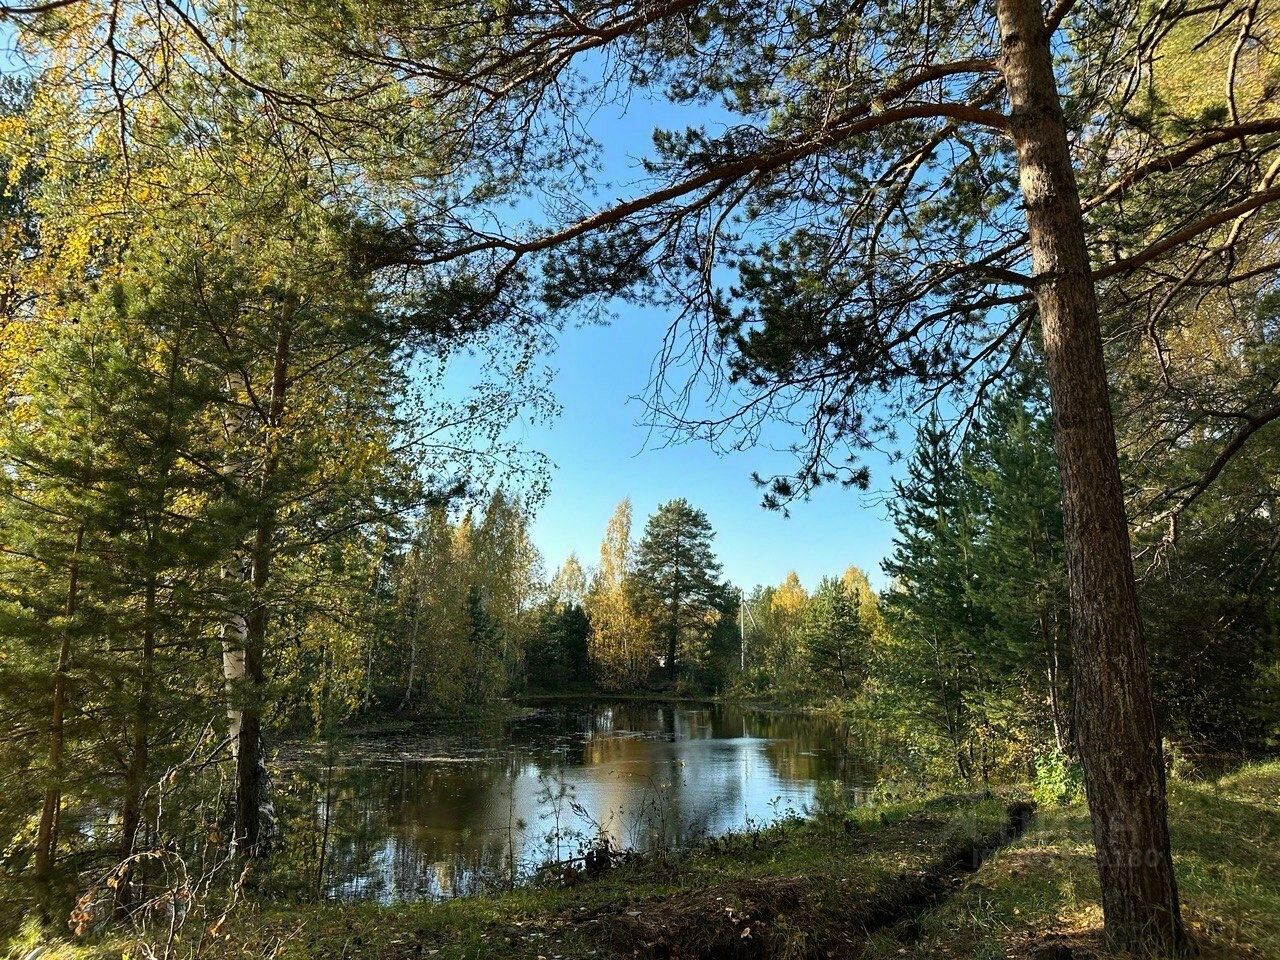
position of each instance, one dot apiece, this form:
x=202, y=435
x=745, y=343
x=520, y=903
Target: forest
x=283, y=667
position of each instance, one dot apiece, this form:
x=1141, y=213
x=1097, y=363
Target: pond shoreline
x=658, y=697
x=940, y=879
x=754, y=890
x=434, y=808
x=373, y=724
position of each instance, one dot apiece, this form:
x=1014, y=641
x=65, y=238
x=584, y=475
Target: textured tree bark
x=252, y=810
x=1115, y=719
x=241, y=728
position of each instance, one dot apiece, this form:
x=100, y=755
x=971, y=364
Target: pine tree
x=678, y=577
x=486, y=677
x=557, y=655
x=105, y=482
x=1019, y=573
x=979, y=600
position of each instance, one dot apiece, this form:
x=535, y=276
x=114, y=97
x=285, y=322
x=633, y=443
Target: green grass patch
x=793, y=890
x=812, y=889
x=785, y=890
x=1042, y=892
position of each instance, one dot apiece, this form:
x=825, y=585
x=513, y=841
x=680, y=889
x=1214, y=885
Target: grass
x=1041, y=893
x=814, y=889
x=787, y=890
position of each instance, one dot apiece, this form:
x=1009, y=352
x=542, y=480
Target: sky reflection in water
x=434, y=815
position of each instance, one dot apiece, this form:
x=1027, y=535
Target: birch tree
x=903, y=193
x=620, y=647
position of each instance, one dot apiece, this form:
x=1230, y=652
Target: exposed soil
x=789, y=917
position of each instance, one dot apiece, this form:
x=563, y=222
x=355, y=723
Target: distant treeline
x=470, y=618
x=967, y=663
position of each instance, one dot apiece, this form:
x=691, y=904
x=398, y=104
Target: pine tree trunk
x=244, y=649
x=254, y=814
x=1115, y=718
x=135, y=775
x=51, y=808
x=673, y=638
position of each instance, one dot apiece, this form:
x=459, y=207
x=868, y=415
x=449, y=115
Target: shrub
x=1059, y=780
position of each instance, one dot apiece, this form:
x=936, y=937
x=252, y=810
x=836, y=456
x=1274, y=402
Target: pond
x=437, y=814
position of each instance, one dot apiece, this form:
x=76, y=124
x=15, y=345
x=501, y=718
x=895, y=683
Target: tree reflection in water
x=438, y=815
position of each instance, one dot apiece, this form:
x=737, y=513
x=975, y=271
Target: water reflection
x=435, y=815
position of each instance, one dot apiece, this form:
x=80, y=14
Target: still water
x=435, y=814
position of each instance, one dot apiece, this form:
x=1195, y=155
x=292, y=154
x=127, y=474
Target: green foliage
x=976, y=652
x=462, y=599
x=1058, y=780
x=215, y=417
x=1044, y=888
x=677, y=581
x=1203, y=515
x=657, y=608
x=811, y=649
x=485, y=642
x=229, y=289
x=835, y=640
x=556, y=656
x=113, y=534
x=705, y=899
x=931, y=664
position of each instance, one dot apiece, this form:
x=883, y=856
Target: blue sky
x=603, y=452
